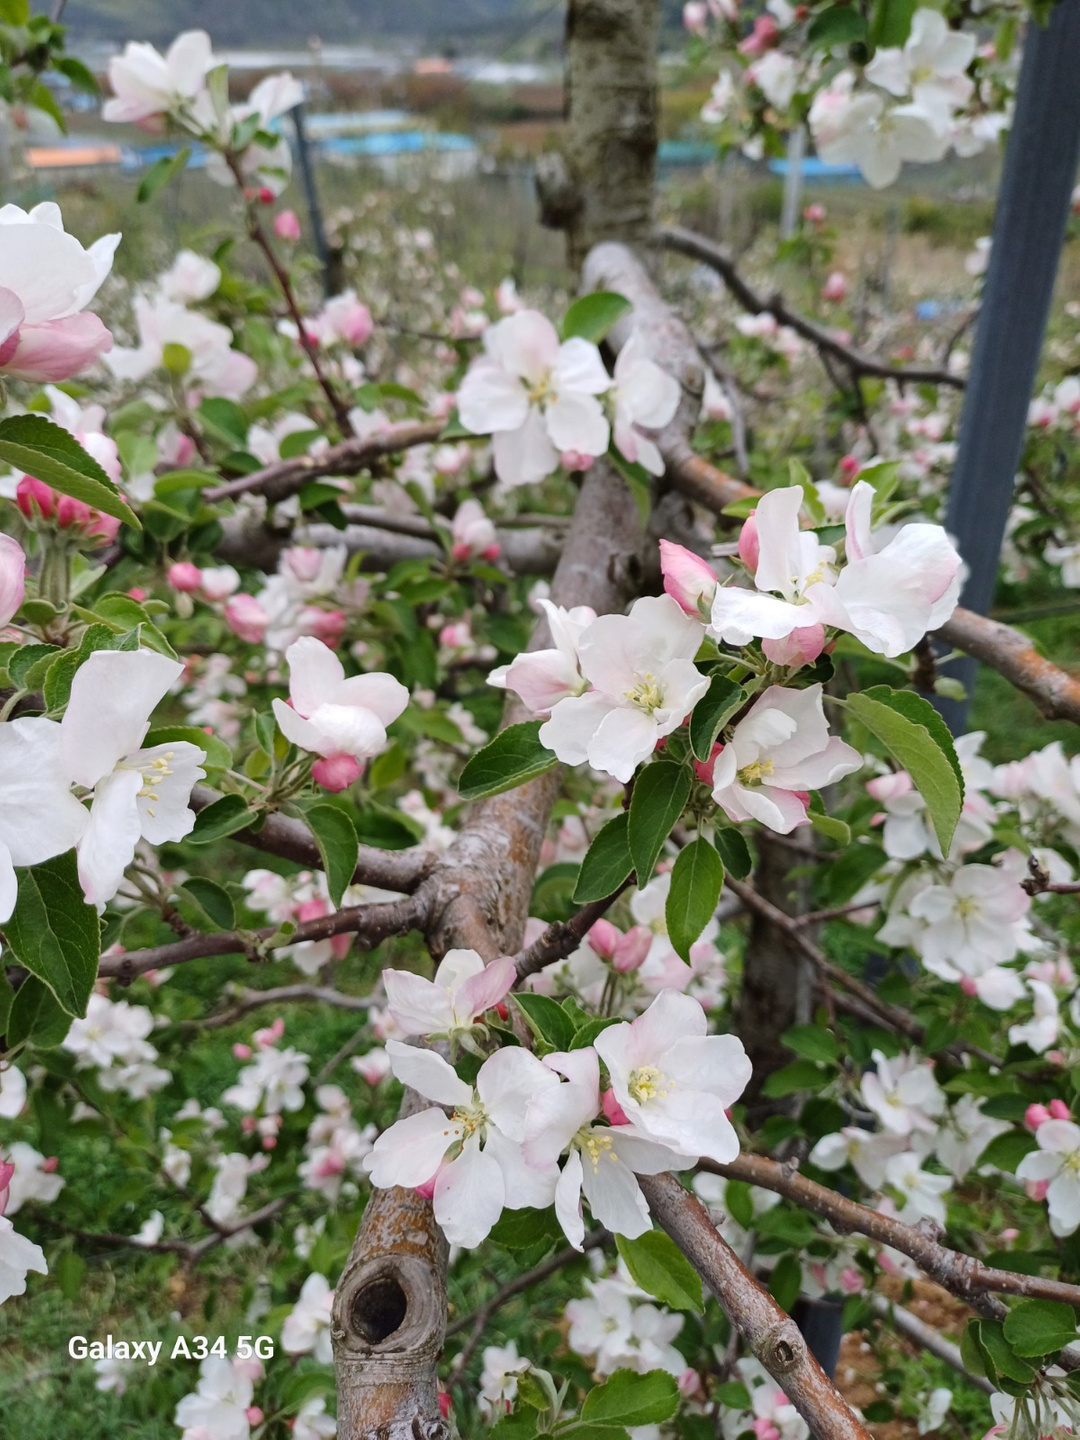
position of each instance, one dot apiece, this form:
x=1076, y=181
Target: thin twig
x=928, y=1339
x=280, y=995
x=562, y=937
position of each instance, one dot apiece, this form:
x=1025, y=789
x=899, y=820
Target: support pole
x=311, y=194
x=1029, y=230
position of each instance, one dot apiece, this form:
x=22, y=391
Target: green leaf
x=891, y=26
x=660, y=795
x=521, y=1229
x=587, y=1033
x=915, y=735
x=57, y=685
x=14, y=12
x=54, y=933
x=223, y=817
x=800, y=1075
x=513, y=757
x=36, y=1015
x=813, y=1042
x=520, y=1425
x=1004, y=1358
x=1006, y=1151
x=592, y=316
x=638, y=482
x=160, y=173
x=831, y=827
x=225, y=419
x=712, y=712
x=35, y=446
x=799, y=475
x=838, y=25
x=1039, y=1327
x=734, y=851
x=212, y=906
x=218, y=755
x=546, y=1019
x=660, y=1267
x=631, y=1399
x=607, y=862
x=785, y=1282
x=696, y=881
x=335, y=835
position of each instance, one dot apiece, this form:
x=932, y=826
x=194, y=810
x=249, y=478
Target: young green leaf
x=592, y=316
x=513, y=757
x=660, y=1267
x=546, y=1019
x=734, y=851
x=335, y=835
x=631, y=1399
x=207, y=903
x=914, y=734
x=36, y=1015
x=607, y=862
x=218, y=755
x=712, y=712
x=696, y=880
x=159, y=175
x=32, y=445
x=54, y=933
x=1039, y=1327
x=660, y=795
x=223, y=817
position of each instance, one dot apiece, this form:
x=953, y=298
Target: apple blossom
x=619, y=1332
x=12, y=1095
x=18, y=1256
x=12, y=577
x=644, y=396
x=499, y=1379
x=922, y=1191
x=286, y=225
x=971, y=922
x=537, y=397
x=645, y=683
x=867, y=1152
x=1056, y=1165
x=877, y=137
x=312, y=1421
x=33, y=784
x=544, y=677
x=137, y=793
x=306, y=1330
x=675, y=1082
x=48, y=280
x=218, y=1406
x=778, y=751
x=688, y=579
x=246, y=618
x=148, y=86
x=472, y=533
x=189, y=278
x=452, y=1005
x=343, y=318
x=215, y=366
x=473, y=1160
x=930, y=66
x=1041, y=1031
x=334, y=717
x=903, y=1094
x=602, y=1159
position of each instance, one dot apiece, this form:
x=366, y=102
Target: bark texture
x=602, y=187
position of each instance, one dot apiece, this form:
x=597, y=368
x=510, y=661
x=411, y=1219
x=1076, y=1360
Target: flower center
x=471, y=1118
x=755, y=772
x=152, y=776
x=594, y=1144
x=648, y=1083
x=542, y=391
x=645, y=694
x=965, y=906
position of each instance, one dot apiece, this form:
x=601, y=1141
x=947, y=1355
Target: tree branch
x=1055, y=691
x=697, y=247
x=280, y=995
x=770, y=1333
x=927, y=1338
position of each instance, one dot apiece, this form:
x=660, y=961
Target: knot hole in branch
x=783, y=1349
x=379, y=1308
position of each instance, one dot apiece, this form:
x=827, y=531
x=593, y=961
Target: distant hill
x=483, y=24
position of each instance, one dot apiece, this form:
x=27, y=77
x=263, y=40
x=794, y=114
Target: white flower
x=17, y=1256
x=867, y=1152
x=12, y=1092
x=151, y=1230
x=331, y=715
x=474, y=1158
x=922, y=1191
x=621, y=1334
x=537, y=397
x=189, y=278
x=933, y=1409
x=972, y=923
x=1041, y=1031
x=472, y=533
x=306, y=1330
x=32, y=784
x=602, y=1160
x=275, y=1080
x=777, y=752
x=964, y=1134
x=112, y=1375
x=903, y=1094
x=216, y=367
x=644, y=396
x=35, y=1178
x=499, y=1380
x=675, y=1082
x=644, y=685
x=138, y=794
x=930, y=67
x=217, y=1409
x=265, y=165
x=451, y=1004
x=544, y=677
x=1056, y=1165
x=777, y=77
x=876, y=137
x=312, y=1421
x=112, y=1033
x=230, y=1185
x=147, y=85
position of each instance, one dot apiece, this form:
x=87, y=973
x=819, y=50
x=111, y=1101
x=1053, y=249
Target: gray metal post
x=307, y=173
x=793, y=183
x=1029, y=229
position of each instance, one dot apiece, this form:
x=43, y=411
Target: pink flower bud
x=246, y=618
x=1036, y=1189
x=1059, y=1110
x=247, y=1124
x=612, y=1109
x=313, y=909
x=270, y=1034
x=326, y=625
x=336, y=772
x=185, y=577
x=799, y=648
x=968, y=986
x=303, y=562
x=50, y=1165
x=1009, y=1234
x=850, y=466
x=632, y=949
x=703, y=769
x=603, y=937
x=851, y=1280
x=575, y=461
x=835, y=287
x=355, y=325
x=254, y=1415
x=446, y=1404
x=7, y=1170
x=12, y=577
x=749, y=545
x=1034, y=1116
x=269, y=1142
x=241, y=1051
x=265, y=195
x=765, y=34
x=764, y=1429
x=35, y=499
x=286, y=225
x=814, y=214
x=689, y=581
x=138, y=593
x=690, y=1386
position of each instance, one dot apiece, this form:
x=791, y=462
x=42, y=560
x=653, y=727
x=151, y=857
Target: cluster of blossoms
x=111, y=1039
x=939, y=90
x=670, y=1086
x=543, y=401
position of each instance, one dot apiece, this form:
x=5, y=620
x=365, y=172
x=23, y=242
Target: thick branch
x=1056, y=692
x=697, y=247
x=401, y=870
x=285, y=477
x=769, y=1332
